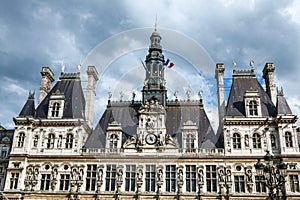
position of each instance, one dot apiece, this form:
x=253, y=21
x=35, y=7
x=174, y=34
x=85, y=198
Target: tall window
x=55, y=109
x=190, y=142
x=91, y=177
x=45, y=182
x=236, y=141
x=256, y=141
x=288, y=139
x=113, y=141
x=150, y=178
x=273, y=141
x=191, y=178
x=171, y=178
x=294, y=183
x=69, y=141
x=21, y=139
x=14, y=179
x=35, y=141
x=239, y=183
x=110, y=183
x=64, y=182
x=260, y=184
x=50, y=141
x=4, y=152
x=211, y=178
x=253, y=108
x=130, y=178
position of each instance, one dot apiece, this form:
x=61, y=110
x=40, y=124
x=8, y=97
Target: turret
x=219, y=75
x=47, y=79
x=91, y=94
x=268, y=75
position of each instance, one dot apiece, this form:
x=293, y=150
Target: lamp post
x=273, y=174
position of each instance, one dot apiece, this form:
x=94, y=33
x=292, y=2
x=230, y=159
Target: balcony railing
x=179, y=152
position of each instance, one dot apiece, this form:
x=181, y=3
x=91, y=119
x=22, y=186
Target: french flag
x=168, y=63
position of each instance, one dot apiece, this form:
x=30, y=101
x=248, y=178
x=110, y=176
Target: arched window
x=69, y=141
x=236, y=141
x=288, y=139
x=21, y=139
x=253, y=108
x=190, y=141
x=50, y=141
x=273, y=141
x=113, y=141
x=35, y=141
x=256, y=141
x=55, y=109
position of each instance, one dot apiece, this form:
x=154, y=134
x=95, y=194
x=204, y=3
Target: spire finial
x=155, y=25
x=234, y=64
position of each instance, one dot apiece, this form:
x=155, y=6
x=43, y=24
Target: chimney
x=268, y=75
x=91, y=94
x=219, y=75
x=47, y=79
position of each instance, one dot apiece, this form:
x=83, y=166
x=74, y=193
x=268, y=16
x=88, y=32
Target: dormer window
x=190, y=141
x=114, y=135
x=55, y=110
x=253, y=108
x=56, y=105
x=189, y=136
x=252, y=103
x=113, y=142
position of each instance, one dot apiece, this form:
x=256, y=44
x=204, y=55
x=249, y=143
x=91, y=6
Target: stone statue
x=140, y=175
x=249, y=176
x=200, y=175
x=54, y=174
x=221, y=176
x=180, y=175
x=160, y=176
x=120, y=175
x=228, y=176
x=100, y=174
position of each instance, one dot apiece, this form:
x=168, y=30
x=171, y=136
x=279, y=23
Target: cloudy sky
x=114, y=36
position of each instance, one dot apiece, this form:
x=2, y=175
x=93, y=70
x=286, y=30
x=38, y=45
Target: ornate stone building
x=153, y=148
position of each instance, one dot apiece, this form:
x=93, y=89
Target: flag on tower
x=168, y=63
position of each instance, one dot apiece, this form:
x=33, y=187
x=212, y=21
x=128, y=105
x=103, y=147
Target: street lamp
x=274, y=175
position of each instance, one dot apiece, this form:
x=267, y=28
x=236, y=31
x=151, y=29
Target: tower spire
x=154, y=84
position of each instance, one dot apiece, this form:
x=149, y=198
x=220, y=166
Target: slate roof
x=178, y=112
x=28, y=109
x=70, y=86
x=242, y=81
x=282, y=105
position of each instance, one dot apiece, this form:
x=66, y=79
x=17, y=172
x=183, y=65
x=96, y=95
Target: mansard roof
x=177, y=113
x=69, y=85
x=243, y=81
x=28, y=109
x=282, y=105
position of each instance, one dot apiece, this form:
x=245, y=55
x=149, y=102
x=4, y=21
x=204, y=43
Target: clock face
x=151, y=138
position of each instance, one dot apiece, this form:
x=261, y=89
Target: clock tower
x=155, y=83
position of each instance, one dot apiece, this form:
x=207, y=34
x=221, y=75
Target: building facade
x=153, y=148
